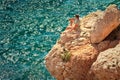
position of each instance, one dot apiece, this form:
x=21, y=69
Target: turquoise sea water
x=29, y=29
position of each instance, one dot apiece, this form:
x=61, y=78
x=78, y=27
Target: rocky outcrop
x=107, y=65
x=76, y=55
x=105, y=24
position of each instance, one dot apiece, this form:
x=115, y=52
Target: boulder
x=107, y=65
x=104, y=25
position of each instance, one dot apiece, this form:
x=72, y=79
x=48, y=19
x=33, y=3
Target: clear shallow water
x=29, y=29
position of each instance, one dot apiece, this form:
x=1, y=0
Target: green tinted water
x=29, y=29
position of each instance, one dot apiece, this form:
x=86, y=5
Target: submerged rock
x=84, y=45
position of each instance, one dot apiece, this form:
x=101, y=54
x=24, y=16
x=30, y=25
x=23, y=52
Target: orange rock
x=105, y=25
x=107, y=65
x=84, y=54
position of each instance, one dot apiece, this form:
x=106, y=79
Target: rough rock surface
x=107, y=65
x=83, y=52
x=102, y=23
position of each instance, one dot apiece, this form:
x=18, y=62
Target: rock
x=78, y=64
x=81, y=58
x=107, y=65
x=104, y=25
x=54, y=62
x=73, y=69
x=68, y=36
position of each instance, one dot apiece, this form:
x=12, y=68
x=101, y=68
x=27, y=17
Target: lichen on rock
x=66, y=55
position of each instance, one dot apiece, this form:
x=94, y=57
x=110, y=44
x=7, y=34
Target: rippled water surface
x=28, y=30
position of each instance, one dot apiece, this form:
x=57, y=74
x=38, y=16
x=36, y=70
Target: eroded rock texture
x=107, y=65
x=106, y=24
x=98, y=32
